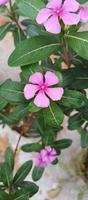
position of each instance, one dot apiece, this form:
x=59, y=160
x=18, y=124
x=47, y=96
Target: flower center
x=58, y=11
x=42, y=87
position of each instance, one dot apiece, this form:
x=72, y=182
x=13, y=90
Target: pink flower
x=56, y=11
x=48, y=154
x=3, y=2
x=40, y=87
x=83, y=14
x=39, y=160
x=45, y=157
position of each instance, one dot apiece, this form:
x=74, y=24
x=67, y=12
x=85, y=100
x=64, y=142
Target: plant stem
x=66, y=56
x=17, y=145
x=13, y=17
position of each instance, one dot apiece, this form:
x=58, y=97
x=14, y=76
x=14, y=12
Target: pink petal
x=43, y=15
x=70, y=18
x=3, y=2
x=52, y=25
x=55, y=93
x=54, y=4
x=48, y=148
x=84, y=14
x=41, y=100
x=36, y=155
x=71, y=5
x=51, y=78
x=29, y=91
x=54, y=153
x=44, y=155
x=51, y=158
x=36, y=78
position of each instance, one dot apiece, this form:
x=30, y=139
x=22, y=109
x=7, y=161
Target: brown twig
x=17, y=145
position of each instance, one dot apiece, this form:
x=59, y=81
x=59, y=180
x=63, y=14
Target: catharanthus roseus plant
x=43, y=31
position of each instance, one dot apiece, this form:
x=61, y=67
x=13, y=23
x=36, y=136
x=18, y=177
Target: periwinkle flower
x=55, y=11
x=45, y=156
x=40, y=87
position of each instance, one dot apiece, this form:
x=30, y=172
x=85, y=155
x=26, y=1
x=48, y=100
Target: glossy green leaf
x=73, y=99
x=12, y=91
x=82, y=1
x=22, y=172
x=84, y=138
x=4, y=195
x=53, y=116
x=62, y=144
x=33, y=108
x=3, y=103
x=7, y=176
x=75, y=121
x=30, y=8
x=4, y=29
x=76, y=78
x=29, y=187
x=32, y=50
x=79, y=43
x=31, y=147
x=84, y=112
x=37, y=173
x=9, y=157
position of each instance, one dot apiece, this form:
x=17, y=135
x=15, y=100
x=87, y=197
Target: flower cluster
x=45, y=156
x=70, y=12
x=3, y=2
x=39, y=86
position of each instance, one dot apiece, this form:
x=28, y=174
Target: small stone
x=53, y=193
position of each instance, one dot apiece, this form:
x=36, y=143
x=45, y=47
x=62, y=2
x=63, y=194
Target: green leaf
x=84, y=138
x=53, y=116
x=30, y=187
x=76, y=78
x=3, y=103
x=7, y=176
x=19, y=113
x=79, y=43
x=12, y=91
x=4, y=195
x=48, y=138
x=31, y=147
x=75, y=121
x=34, y=30
x=9, y=158
x=73, y=99
x=32, y=50
x=37, y=173
x=4, y=29
x=82, y=1
x=33, y=108
x=20, y=195
x=84, y=112
x=18, y=35
x=22, y=172
x=62, y=144
x=30, y=8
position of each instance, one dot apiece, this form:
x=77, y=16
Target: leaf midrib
x=77, y=38
x=40, y=48
x=28, y=3
x=3, y=30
